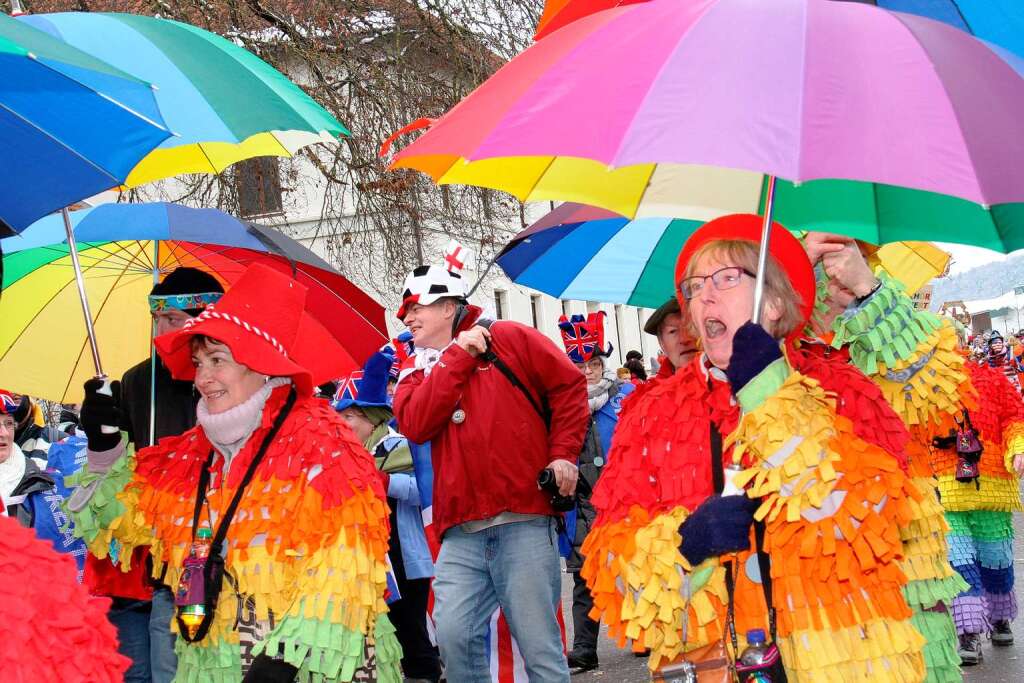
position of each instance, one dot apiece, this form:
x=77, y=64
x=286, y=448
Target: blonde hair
x=777, y=287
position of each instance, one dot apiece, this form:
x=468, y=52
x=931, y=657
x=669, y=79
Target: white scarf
x=230, y=430
x=12, y=471
x=426, y=359
x=599, y=394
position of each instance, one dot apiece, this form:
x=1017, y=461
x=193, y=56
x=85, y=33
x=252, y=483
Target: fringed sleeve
x=104, y=509
x=833, y=505
x=911, y=354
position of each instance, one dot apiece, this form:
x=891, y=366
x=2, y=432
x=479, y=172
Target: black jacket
x=175, y=404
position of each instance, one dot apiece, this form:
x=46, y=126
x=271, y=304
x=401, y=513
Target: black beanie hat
x=186, y=280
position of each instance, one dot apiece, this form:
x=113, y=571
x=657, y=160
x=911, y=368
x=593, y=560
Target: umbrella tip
x=31, y=55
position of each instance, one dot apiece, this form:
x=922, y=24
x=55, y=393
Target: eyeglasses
x=723, y=279
x=8, y=423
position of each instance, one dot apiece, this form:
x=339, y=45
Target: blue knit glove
x=719, y=525
x=753, y=349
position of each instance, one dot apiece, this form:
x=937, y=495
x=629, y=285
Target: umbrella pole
x=762, y=256
x=152, y=351
x=80, y=281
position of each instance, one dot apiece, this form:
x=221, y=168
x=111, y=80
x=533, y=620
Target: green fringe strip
x=325, y=652
x=940, y=655
x=886, y=327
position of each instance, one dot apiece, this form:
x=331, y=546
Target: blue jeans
x=144, y=634
x=132, y=622
x=162, y=659
x=514, y=566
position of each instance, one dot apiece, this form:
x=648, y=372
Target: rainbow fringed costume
x=912, y=356
x=307, y=545
x=833, y=503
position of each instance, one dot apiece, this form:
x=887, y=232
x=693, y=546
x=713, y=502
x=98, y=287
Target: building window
x=566, y=308
x=258, y=184
x=500, y=304
x=535, y=310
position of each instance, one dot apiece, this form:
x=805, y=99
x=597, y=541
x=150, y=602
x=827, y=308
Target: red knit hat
x=263, y=320
x=783, y=247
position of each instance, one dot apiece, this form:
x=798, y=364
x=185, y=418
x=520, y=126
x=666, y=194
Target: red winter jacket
x=489, y=463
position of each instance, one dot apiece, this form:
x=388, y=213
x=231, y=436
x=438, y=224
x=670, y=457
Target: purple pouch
x=192, y=584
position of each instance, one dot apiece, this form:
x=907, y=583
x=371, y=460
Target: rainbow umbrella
x=224, y=103
x=894, y=126
x=591, y=254
x=71, y=125
x=44, y=349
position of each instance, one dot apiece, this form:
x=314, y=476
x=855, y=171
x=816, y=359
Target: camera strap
x=541, y=407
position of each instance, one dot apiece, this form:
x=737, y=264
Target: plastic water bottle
x=757, y=658
x=730, y=488
x=191, y=595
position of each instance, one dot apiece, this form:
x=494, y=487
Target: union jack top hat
x=584, y=337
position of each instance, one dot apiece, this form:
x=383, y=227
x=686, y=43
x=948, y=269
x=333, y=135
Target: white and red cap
x=427, y=284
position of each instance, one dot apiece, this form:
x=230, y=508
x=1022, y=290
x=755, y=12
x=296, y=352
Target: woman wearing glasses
x=676, y=560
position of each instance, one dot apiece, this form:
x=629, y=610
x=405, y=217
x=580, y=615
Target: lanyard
x=204, y=479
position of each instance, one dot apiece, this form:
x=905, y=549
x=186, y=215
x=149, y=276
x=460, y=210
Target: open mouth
x=214, y=395
x=713, y=328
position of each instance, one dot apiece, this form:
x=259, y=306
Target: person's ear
x=448, y=309
x=772, y=310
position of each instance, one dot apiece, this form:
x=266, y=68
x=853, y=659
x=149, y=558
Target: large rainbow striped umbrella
x=224, y=103
x=43, y=340
x=651, y=109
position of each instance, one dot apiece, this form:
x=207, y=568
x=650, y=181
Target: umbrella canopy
x=1000, y=22
x=224, y=103
x=677, y=109
x=558, y=13
x=591, y=254
x=71, y=125
x=43, y=347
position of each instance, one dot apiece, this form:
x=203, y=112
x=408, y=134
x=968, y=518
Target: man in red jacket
x=491, y=436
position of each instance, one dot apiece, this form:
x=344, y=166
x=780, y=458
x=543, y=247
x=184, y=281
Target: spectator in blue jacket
x=27, y=492
x=362, y=400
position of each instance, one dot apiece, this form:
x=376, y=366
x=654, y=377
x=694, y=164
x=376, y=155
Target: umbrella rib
x=960, y=13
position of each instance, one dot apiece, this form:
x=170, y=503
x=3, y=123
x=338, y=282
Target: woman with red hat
x=739, y=504
x=268, y=516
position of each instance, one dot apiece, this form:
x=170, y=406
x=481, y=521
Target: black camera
x=546, y=481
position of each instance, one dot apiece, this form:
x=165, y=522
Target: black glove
x=266, y=669
x=944, y=442
x=719, y=525
x=753, y=349
x=99, y=410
